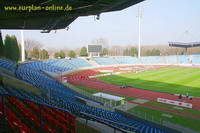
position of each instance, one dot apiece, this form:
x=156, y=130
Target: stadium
x=96, y=93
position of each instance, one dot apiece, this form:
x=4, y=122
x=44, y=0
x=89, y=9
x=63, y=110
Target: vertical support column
x=86, y=121
x=22, y=46
x=114, y=130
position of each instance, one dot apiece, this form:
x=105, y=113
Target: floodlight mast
x=22, y=46
x=139, y=30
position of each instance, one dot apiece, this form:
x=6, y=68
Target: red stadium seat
x=15, y=123
x=47, y=129
x=25, y=111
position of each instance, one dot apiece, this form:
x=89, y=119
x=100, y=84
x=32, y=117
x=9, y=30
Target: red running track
x=82, y=79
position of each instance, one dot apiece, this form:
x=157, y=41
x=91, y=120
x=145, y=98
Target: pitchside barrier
x=173, y=102
x=149, y=119
x=158, y=121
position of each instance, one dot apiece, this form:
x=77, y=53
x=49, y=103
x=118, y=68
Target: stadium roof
x=184, y=45
x=15, y=14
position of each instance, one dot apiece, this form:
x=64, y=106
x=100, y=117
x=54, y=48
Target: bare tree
x=30, y=44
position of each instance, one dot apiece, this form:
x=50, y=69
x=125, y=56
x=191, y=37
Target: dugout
x=113, y=100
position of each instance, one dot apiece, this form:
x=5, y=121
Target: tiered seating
x=127, y=60
x=171, y=59
x=42, y=66
x=15, y=123
x=183, y=59
x=7, y=65
x=68, y=64
x=66, y=123
x=61, y=63
x=40, y=80
x=79, y=63
x=196, y=59
x=61, y=124
x=151, y=60
x=65, y=99
x=25, y=111
x=114, y=119
x=106, y=61
x=175, y=59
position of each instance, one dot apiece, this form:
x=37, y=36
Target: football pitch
x=176, y=80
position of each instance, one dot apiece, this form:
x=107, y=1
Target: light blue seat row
x=170, y=60
x=61, y=63
x=196, y=59
x=38, y=65
x=127, y=60
x=106, y=61
x=79, y=63
x=72, y=63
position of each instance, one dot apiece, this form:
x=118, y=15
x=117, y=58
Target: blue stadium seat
x=7, y=65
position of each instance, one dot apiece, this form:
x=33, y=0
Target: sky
x=162, y=21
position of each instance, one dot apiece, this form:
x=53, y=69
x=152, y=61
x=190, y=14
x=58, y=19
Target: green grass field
x=175, y=80
x=172, y=107
x=171, y=80
x=156, y=115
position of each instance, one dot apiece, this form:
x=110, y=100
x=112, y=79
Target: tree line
x=124, y=50
x=61, y=54
x=9, y=48
x=38, y=53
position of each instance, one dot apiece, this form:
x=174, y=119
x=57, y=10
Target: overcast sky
x=162, y=21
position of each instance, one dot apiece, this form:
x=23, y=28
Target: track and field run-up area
x=157, y=82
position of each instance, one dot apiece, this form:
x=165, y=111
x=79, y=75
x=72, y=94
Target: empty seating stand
x=65, y=99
